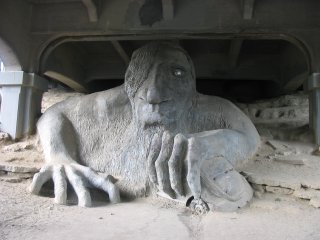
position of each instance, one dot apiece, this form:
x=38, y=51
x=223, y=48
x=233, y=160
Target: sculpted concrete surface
x=153, y=134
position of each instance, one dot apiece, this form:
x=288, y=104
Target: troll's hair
x=140, y=64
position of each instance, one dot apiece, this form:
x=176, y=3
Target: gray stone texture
x=153, y=134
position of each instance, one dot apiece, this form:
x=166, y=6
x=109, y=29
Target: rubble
x=15, y=174
x=18, y=169
x=17, y=147
x=294, y=160
x=279, y=146
x=4, y=137
x=304, y=193
x=286, y=163
x=11, y=179
x=19, y=160
x=296, y=174
x=279, y=190
x=315, y=202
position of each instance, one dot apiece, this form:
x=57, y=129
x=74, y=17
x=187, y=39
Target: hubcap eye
x=177, y=72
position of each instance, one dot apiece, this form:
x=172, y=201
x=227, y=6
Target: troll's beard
x=134, y=180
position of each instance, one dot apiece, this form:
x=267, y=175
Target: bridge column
x=21, y=95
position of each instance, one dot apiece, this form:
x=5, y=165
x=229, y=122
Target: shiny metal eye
x=178, y=72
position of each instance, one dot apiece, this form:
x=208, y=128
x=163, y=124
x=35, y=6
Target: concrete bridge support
x=314, y=105
x=21, y=102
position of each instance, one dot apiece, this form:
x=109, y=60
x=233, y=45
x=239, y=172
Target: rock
x=280, y=146
x=315, y=202
x=3, y=173
x=11, y=179
x=21, y=175
x=294, y=160
x=265, y=179
x=17, y=147
x=15, y=177
x=306, y=193
x=285, y=171
x=18, y=169
x=4, y=137
x=14, y=159
x=284, y=153
x=279, y=190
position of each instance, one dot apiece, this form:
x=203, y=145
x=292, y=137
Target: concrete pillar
x=21, y=102
x=314, y=105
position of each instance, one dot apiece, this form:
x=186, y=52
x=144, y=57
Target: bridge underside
x=243, y=49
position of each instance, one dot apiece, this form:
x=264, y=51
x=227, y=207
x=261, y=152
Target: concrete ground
x=27, y=217
x=284, y=182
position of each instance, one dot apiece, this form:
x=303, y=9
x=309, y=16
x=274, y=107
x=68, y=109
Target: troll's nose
x=153, y=96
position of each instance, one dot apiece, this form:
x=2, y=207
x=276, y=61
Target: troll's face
x=160, y=83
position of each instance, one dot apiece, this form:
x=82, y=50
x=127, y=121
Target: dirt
x=284, y=174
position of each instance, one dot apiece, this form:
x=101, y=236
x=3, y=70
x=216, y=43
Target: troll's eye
x=178, y=72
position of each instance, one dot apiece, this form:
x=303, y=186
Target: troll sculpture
x=153, y=134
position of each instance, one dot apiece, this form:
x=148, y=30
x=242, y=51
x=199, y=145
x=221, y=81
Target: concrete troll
x=153, y=134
